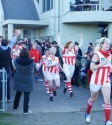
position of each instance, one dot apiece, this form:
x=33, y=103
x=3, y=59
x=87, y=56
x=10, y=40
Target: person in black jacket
x=23, y=79
x=5, y=62
x=77, y=66
x=28, y=44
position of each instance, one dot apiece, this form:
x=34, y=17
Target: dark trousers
x=89, y=74
x=25, y=103
x=8, y=84
x=75, y=76
x=83, y=78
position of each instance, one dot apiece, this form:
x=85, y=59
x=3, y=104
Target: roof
x=19, y=9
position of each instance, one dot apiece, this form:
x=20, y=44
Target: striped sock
x=89, y=106
x=50, y=92
x=47, y=85
x=107, y=111
x=69, y=86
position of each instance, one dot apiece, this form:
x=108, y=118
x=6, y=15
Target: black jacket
x=23, y=77
x=5, y=58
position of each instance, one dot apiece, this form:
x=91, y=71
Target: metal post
x=4, y=90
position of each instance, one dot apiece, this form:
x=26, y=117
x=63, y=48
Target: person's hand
x=16, y=33
x=80, y=35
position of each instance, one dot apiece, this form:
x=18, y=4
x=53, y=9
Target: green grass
x=2, y=123
x=3, y=115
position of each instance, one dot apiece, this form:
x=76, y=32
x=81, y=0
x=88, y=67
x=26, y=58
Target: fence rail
x=4, y=90
x=91, y=7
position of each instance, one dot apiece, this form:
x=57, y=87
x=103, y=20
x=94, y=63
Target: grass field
x=4, y=115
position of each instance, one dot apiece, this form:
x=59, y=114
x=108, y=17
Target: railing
x=90, y=7
x=3, y=102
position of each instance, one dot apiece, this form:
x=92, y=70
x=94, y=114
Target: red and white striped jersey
x=102, y=75
x=44, y=58
x=55, y=61
x=15, y=53
x=69, y=56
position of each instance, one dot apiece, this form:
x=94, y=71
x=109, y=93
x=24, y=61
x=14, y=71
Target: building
x=38, y=19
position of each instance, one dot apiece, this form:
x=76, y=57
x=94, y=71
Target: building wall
x=72, y=31
x=35, y=34
x=1, y=12
x=52, y=17
x=69, y=31
x=1, y=18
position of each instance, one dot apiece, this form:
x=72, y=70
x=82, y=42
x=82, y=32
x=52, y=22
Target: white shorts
x=44, y=71
x=68, y=69
x=52, y=76
x=37, y=66
x=96, y=88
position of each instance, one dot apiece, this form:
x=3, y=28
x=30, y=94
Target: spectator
x=77, y=66
x=23, y=79
x=89, y=72
x=47, y=46
x=19, y=42
x=54, y=44
x=88, y=56
x=28, y=44
x=83, y=74
x=78, y=2
x=111, y=72
x=43, y=45
x=39, y=47
x=35, y=55
x=15, y=53
x=5, y=62
x=90, y=50
x=23, y=45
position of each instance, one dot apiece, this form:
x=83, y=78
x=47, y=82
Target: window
x=47, y=5
x=38, y=1
x=51, y=4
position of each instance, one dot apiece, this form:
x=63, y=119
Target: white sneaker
x=40, y=80
x=87, y=117
x=26, y=113
x=14, y=110
x=108, y=123
x=47, y=91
